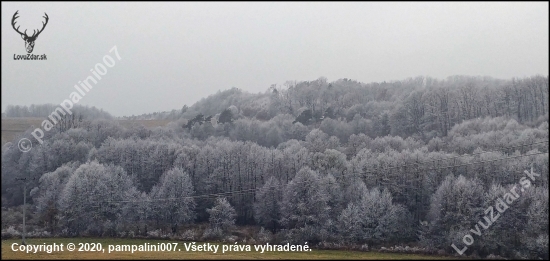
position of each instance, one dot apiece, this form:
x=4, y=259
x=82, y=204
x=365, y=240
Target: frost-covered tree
x=380, y=217
x=305, y=206
x=171, y=198
x=334, y=194
x=350, y=224
x=375, y=219
x=225, y=117
x=454, y=207
x=355, y=191
x=266, y=208
x=47, y=195
x=535, y=236
x=356, y=143
x=91, y=197
x=318, y=141
x=222, y=215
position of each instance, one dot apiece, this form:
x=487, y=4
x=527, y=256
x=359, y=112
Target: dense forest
x=412, y=162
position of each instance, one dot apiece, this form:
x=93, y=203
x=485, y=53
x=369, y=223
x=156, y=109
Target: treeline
x=422, y=107
x=45, y=110
x=165, y=115
x=321, y=178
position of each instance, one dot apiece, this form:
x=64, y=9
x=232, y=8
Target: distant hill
x=44, y=110
x=422, y=107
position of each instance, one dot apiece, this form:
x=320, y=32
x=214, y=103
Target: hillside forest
x=416, y=162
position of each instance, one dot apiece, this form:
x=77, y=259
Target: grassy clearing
x=7, y=252
x=12, y=127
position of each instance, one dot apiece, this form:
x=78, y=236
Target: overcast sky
x=177, y=53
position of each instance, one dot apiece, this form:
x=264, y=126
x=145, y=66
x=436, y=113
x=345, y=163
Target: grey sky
x=177, y=53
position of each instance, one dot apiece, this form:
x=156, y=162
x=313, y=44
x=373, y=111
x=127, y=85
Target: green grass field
x=181, y=253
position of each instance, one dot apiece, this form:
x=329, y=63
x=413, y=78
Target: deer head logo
x=29, y=40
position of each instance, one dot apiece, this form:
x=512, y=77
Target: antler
x=43, y=26
x=13, y=24
x=34, y=34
